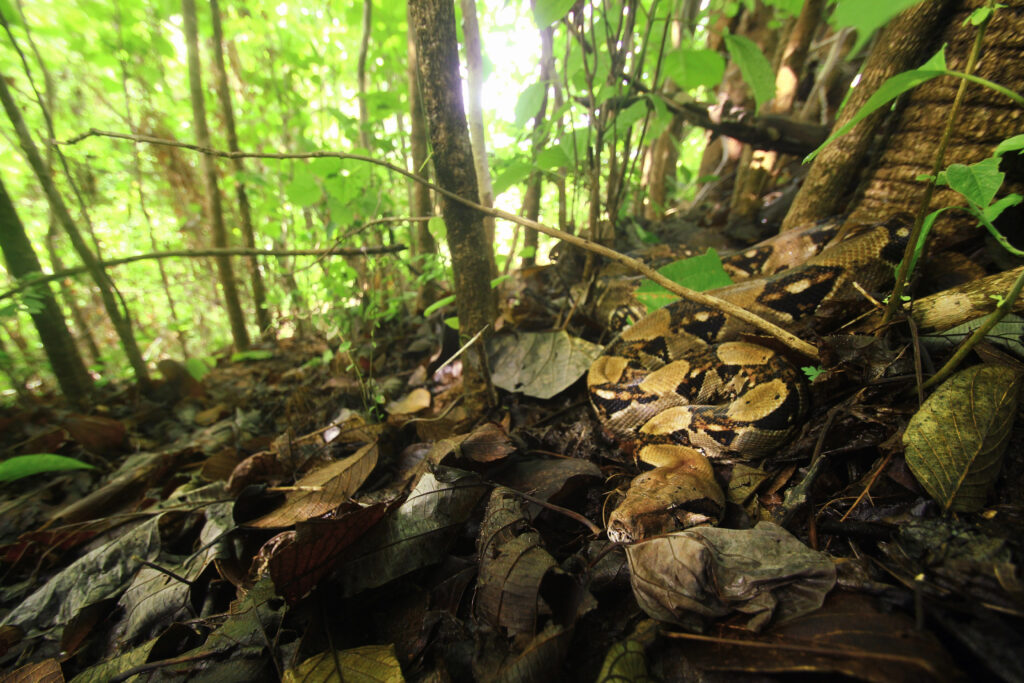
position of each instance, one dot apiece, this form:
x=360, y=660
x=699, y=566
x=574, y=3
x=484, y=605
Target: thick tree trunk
x=60, y=348
x=215, y=214
x=985, y=119
x=903, y=44
x=433, y=25
x=259, y=291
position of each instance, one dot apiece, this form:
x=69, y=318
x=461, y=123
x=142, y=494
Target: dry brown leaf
x=322, y=490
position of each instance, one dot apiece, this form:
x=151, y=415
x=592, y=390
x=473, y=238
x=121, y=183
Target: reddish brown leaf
x=99, y=435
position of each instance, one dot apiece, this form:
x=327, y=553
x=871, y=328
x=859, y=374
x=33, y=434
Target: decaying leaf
x=416, y=400
x=369, y=664
x=322, y=490
x=956, y=441
x=513, y=563
x=539, y=364
x=848, y=636
x=764, y=572
x=415, y=535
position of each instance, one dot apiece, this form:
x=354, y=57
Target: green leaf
x=956, y=441
x=8, y=13
x=516, y=172
x=303, y=190
x=529, y=102
x=452, y=322
x=1010, y=145
x=325, y=166
x=978, y=182
x=756, y=70
x=630, y=115
x=551, y=158
x=694, y=68
x=440, y=303
x=812, y=371
x=888, y=91
x=548, y=12
x=699, y=273
x=992, y=211
x=21, y=466
x=866, y=16
x=255, y=354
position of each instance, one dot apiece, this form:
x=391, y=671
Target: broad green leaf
x=548, y=12
x=978, y=182
x=699, y=273
x=303, y=190
x=516, y=172
x=866, y=16
x=956, y=440
x=553, y=157
x=694, y=68
x=1010, y=145
x=888, y=91
x=529, y=102
x=21, y=466
x=992, y=211
x=8, y=13
x=325, y=166
x=756, y=70
x=631, y=115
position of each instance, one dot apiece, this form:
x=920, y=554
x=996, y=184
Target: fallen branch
x=787, y=338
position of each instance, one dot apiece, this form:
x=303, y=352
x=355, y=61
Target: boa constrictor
x=680, y=385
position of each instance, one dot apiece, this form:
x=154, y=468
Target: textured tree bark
x=216, y=214
x=58, y=344
x=902, y=45
x=421, y=205
x=259, y=291
x=475, y=78
x=985, y=119
x=433, y=26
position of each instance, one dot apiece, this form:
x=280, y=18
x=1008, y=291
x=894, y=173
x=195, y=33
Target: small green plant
x=21, y=466
x=812, y=372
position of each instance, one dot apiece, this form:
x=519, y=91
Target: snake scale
x=681, y=385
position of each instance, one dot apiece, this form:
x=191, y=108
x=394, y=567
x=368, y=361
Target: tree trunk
x=985, y=119
x=215, y=213
x=122, y=323
x=60, y=348
x=259, y=291
x=475, y=73
x=903, y=44
x=433, y=25
x=364, y=48
x=421, y=205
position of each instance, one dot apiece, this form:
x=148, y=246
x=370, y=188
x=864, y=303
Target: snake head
x=664, y=500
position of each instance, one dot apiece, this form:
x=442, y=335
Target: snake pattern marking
x=680, y=385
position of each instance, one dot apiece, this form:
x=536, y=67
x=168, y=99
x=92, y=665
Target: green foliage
x=891, y=89
x=548, y=12
x=756, y=70
x=254, y=355
x=694, y=68
x=812, y=372
x=700, y=273
x=866, y=16
x=21, y=466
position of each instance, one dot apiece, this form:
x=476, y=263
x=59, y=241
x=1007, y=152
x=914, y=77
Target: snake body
x=681, y=384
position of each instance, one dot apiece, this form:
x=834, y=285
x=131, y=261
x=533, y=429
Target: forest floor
x=319, y=515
